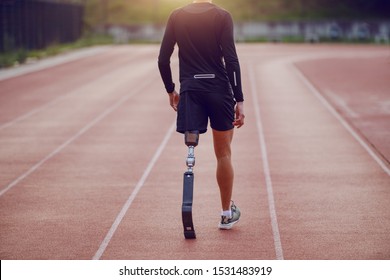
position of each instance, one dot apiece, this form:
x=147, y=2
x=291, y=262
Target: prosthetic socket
x=191, y=139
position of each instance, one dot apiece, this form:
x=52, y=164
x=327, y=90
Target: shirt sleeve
x=230, y=56
x=164, y=58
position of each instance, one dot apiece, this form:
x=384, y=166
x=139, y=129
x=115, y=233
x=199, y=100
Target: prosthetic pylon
x=191, y=139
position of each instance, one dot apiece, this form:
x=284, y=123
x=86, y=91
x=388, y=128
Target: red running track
x=92, y=168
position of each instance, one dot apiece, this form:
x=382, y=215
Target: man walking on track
x=210, y=85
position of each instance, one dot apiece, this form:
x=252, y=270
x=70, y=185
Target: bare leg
x=225, y=172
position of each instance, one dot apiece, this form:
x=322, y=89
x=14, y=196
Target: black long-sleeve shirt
x=207, y=55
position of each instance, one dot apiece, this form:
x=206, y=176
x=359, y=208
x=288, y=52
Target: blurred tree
x=157, y=11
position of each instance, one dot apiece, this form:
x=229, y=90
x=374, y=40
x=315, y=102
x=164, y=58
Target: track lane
x=42, y=133
x=93, y=175
x=71, y=178
x=330, y=196
x=359, y=91
x=325, y=183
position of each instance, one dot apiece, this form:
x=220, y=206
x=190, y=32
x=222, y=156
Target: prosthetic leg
x=191, y=139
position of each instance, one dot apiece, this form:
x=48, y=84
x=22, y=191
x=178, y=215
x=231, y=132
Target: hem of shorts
x=202, y=131
x=225, y=129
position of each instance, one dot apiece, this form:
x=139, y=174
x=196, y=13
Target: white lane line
x=35, y=111
x=340, y=102
x=132, y=196
x=77, y=135
x=266, y=169
x=333, y=111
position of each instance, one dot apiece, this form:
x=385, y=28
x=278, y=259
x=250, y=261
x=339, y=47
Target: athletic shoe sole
x=227, y=226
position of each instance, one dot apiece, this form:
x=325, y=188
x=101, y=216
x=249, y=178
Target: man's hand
x=239, y=120
x=174, y=99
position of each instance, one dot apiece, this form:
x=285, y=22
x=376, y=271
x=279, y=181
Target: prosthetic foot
x=191, y=139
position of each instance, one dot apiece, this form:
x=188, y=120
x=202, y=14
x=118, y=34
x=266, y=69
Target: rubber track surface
x=91, y=167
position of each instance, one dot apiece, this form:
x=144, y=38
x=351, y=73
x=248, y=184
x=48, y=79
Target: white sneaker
x=227, y=222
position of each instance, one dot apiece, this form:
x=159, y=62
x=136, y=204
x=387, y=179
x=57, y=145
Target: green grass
x=15, y=57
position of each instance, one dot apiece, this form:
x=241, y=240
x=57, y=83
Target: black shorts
x=197, y=107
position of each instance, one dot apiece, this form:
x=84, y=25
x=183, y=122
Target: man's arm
x=164, y=58
x=231, y=58
x=233, y=68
